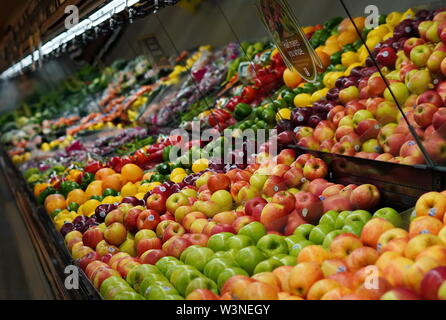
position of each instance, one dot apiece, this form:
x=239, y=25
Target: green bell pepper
x=67, y=186
x=45, y=193
x=242, y=111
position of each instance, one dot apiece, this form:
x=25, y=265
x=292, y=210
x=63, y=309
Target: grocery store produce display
x=142, y=225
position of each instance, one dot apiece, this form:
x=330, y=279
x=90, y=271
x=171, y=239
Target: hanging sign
x=289, y=38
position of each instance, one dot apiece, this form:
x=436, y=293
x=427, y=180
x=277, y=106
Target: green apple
x=164, y=263
x=173, y=297
x=199, y=257
x=231, y=254
x=285, y=259
x=296, y=248
x=318, y=234
x=254, y=230
x=304, y=230
x=272, y=244
x=217, y=241
x=172, y=268
x=112, y=286
x=228, y=273
x=238, y=242
x=292, y=240
x=358, y=215
x=390, y=215
x=354, y=227
x=330, y=237
x=201, y=283
x=181, y=278
x=267, y=265
x=151, y=281
x=187, y=251
x=248, y=258
x=159, y=292
x=329, y=218
x=216, y=266
x=138, y=273
x=128, y=295
x=340, y=220
x=258, y=180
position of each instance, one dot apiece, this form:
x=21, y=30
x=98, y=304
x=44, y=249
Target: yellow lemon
x=393, y=19
x=200, y=165
x=388, y=36
x=372, y=42
x=178, y=178
x=140, y=196
x=177, y=171
x=348, y=58
x=302, y=100
x=319, y=95
x=146, y=187
x=89, y=207
x=129, y=190
x=283, y=114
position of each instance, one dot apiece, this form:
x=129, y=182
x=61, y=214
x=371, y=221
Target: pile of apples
x=385, y=262
x=363, y=119
x=276, y=194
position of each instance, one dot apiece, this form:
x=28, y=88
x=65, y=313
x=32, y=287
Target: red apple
x=274, y=217
x=431, y=283
x=274, y=184
x=152, y=256
x=148, y=219
x=286, y=199
x=400, y=294
x=294, y=220
x=315, y=168
x=131, y=219
x=424, y=114
x=173, y=229
x=87, y=259
x=309, y=207
x=337, y=203
x=175, y=246
x=148, y=244
x=365, y=197
x=157, y=202
x=92, y=237
x=198, y=239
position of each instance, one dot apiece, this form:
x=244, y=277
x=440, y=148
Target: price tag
x=290, y=40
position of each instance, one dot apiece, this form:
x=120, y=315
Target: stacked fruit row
x=356, y=114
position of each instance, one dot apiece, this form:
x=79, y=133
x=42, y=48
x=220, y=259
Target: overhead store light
x=95, y=19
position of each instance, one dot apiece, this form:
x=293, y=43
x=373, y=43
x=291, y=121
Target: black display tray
x=48, y=242
x=400, y=185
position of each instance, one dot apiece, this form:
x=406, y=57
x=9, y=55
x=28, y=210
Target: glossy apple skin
x=400, y=294
x=309, y=206
x=431, y=283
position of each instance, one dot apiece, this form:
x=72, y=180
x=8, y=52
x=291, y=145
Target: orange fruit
x=325, y=58
x=331, y=49
x=94, y=189
x=101, y=174
x=77, y=195
x=346, y=25
x=291, y=78
x=360, y=22
x=347, y=37
x=38, y=188
x=54, y=202
x=131, y=172
x=112, y=182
